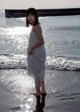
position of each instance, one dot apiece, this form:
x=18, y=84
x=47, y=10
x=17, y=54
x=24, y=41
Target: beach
x=60, y=98
x=7, y=100
x=62, y=67
x=62, y=104
x=53, y=103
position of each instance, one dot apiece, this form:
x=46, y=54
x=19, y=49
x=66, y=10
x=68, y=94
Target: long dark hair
x=33, y=12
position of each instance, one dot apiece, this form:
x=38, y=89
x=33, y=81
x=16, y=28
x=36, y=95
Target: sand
x=53, y=103
x=7, y=100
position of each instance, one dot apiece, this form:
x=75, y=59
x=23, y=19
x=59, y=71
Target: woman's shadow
x=40, y=103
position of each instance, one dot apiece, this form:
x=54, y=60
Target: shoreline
x=56, y=103
x=62, y=99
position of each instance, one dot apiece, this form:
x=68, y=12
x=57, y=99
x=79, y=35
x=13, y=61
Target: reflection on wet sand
x=40, y=104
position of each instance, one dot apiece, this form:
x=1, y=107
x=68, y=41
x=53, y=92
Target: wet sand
x=62, y=104
x=53, y=103
x=7, y=100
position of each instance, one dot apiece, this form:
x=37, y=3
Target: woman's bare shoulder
x=37, y=28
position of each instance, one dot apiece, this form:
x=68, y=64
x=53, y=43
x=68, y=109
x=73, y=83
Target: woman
x=36, y=54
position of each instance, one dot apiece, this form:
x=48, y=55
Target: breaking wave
x=8, y=61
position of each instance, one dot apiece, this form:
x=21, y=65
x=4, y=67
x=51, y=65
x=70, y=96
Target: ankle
x=43, y=91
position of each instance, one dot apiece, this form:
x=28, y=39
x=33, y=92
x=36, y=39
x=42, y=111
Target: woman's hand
x=30, y=51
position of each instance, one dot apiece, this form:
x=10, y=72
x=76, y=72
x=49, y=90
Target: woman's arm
x=38, y=32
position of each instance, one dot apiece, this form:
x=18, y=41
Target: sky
x=39, y=4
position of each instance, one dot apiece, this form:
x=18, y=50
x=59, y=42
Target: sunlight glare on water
x=18, y=82
x=18, y=30
x=16, y=37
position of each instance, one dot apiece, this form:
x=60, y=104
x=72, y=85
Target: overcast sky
x=39, y=4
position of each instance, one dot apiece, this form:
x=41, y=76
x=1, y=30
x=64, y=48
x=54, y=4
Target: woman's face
x=31, y=18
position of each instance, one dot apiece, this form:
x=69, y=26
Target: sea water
x=62, y=42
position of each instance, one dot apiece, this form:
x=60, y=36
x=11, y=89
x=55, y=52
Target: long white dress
x=36, y=61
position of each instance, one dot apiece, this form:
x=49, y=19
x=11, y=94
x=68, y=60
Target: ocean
x=62, y=42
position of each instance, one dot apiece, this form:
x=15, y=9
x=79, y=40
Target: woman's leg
x=42, y=87
x=43, y=94
x=37, y=85
x=37, y=94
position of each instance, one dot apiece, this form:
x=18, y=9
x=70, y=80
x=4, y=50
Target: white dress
x=36, y=61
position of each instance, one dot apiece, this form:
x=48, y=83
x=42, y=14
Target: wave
x=8, y=61
x=67, y=28
x=63, y=63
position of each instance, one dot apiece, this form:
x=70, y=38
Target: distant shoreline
x=42, y=12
